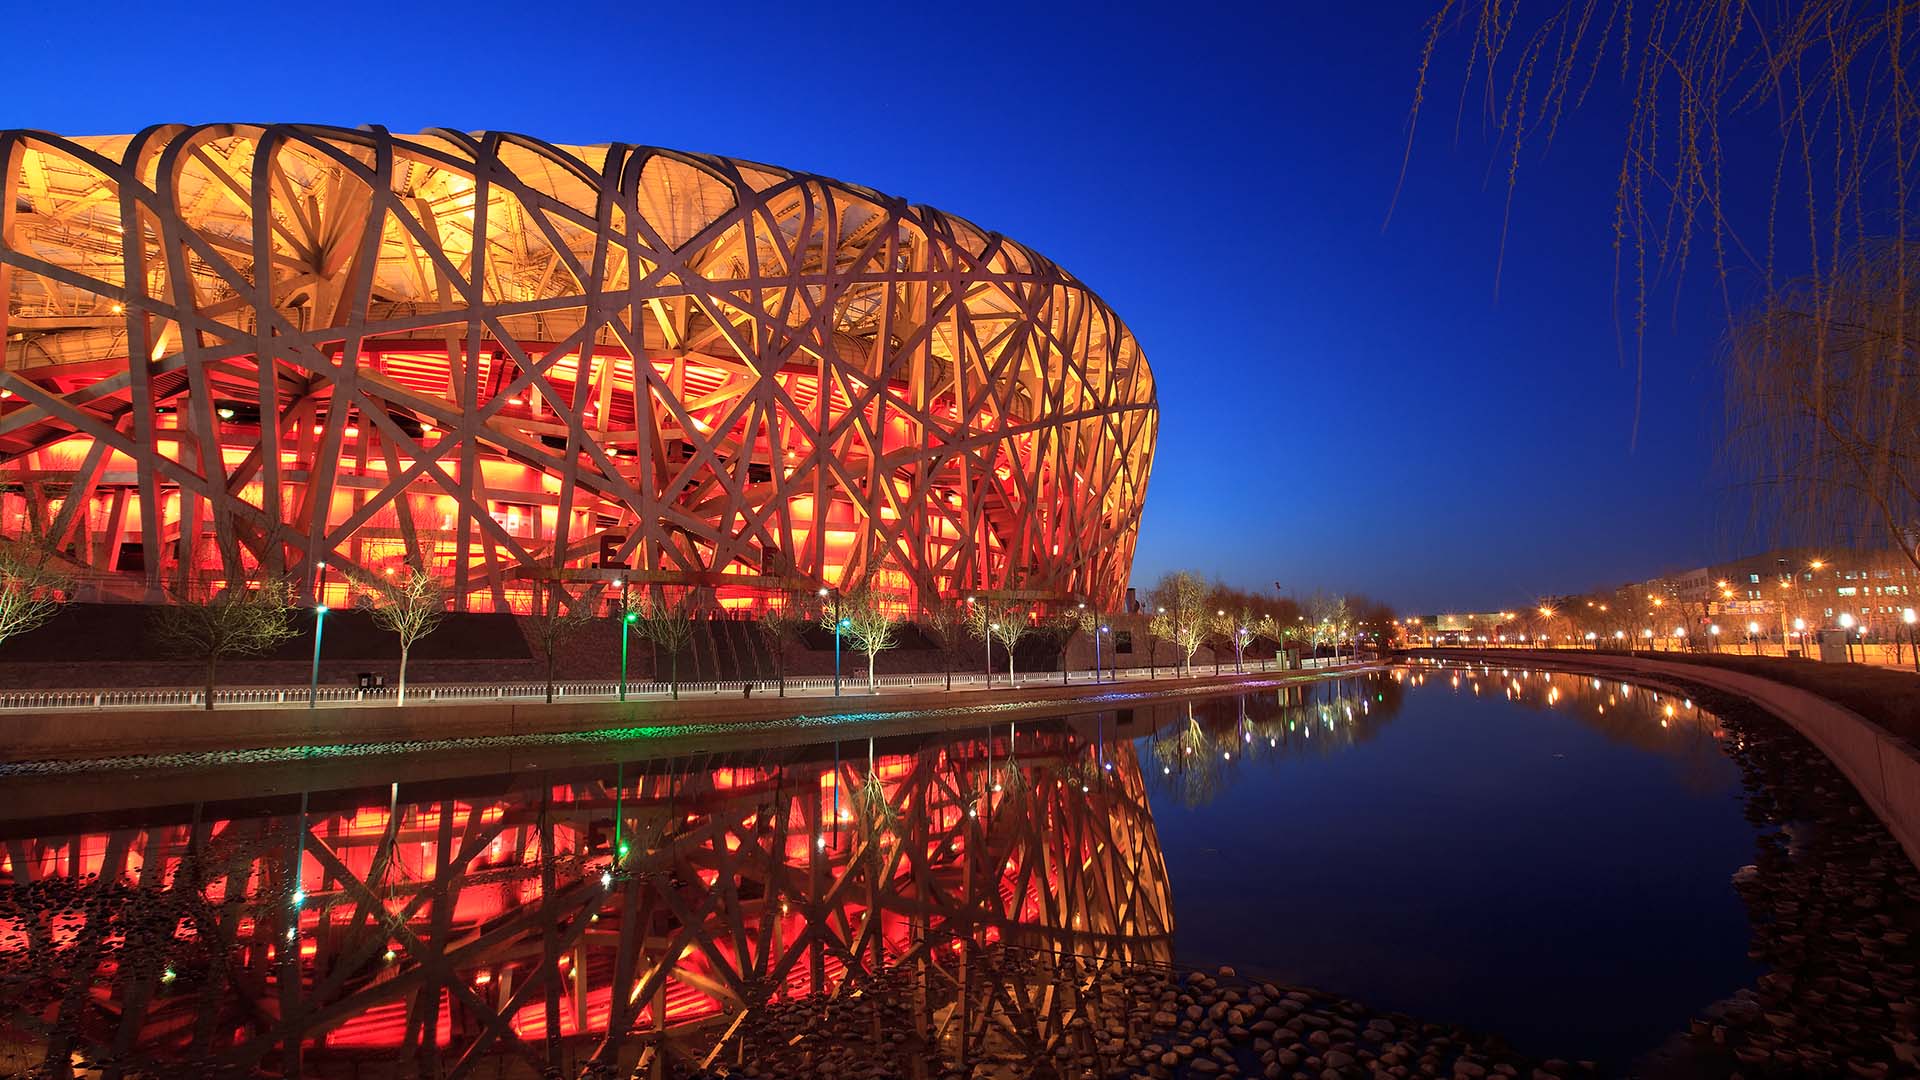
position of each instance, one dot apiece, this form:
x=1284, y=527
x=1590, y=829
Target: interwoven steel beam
x=320, y=353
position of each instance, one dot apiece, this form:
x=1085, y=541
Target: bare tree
x=1182, y=596
x=866, y=624
x=556, y=622
x=1328, y=619
x=948, y=621
x=1237, y=626
x=1007, y=624
x=1159, y=628
x=669, y=627
x=1824, y=395
x=410, y=605
x=33, y=586
x=779, y=625
x=242, y=619
x=1268, y=626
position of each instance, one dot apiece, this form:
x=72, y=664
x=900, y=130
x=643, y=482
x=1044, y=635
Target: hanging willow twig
x=1779, y=136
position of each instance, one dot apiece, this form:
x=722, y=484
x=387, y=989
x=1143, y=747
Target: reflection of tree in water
x=1198, y=748
x=1646, y=718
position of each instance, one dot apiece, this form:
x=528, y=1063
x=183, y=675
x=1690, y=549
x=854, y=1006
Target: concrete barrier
x=1883, y=768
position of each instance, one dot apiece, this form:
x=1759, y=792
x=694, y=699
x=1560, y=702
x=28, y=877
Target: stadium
x=323, y=354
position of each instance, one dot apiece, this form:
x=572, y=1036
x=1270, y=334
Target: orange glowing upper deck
x=234, y=349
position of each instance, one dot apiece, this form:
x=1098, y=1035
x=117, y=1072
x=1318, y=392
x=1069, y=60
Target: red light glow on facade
x=320, y=353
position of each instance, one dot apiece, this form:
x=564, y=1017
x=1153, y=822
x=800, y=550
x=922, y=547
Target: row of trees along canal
x=1182, y=613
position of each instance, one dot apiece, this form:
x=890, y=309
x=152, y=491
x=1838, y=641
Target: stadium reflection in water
x=579, y=915
x=516, y=922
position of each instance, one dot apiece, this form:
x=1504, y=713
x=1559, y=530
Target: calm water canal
x=1540, y=856
x=1547, y=857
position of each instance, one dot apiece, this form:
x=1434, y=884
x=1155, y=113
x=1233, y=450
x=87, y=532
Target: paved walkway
x=812, y=686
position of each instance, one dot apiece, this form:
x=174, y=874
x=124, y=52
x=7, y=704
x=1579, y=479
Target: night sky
x=1342, y=407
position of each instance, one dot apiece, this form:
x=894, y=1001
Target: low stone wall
x=75, y=734
x=1883, y=767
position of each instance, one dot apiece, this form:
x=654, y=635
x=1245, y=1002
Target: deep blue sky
x=1341, y=407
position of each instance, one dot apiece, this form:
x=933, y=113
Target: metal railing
x=607, y=690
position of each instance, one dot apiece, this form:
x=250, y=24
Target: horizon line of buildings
x=1781, y=591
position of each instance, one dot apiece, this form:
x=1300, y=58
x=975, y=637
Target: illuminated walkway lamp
x=319, y=629
x=626, y=627
x=839, y=624
x=1909, y=618
x=1846, y=624
x=1753, y=637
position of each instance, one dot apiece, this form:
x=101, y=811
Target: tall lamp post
x=1800, y=631
x=626, y=625
x=319, y=629
x=1909, y=618
x=839, y=624
x=989, y=642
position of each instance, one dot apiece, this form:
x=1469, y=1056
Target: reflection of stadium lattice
x=497, y=921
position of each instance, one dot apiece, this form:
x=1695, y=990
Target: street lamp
x=838, y=622
x=1715, y=631
x=839, y=625
x=1065, y=669
x=1753, y=637
x=1800, y=631
x=626, y=621
x=319, y=628
x=989, y=643
x=1846, y=624
x=1908, y=617
x=626, y=624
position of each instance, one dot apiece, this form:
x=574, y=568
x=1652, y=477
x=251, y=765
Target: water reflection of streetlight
x=319, y=629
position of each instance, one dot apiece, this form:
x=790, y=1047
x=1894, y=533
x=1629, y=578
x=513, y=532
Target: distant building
x=1774, y=588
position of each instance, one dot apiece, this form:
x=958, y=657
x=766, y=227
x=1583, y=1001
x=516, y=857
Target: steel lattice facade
x=351, y=350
